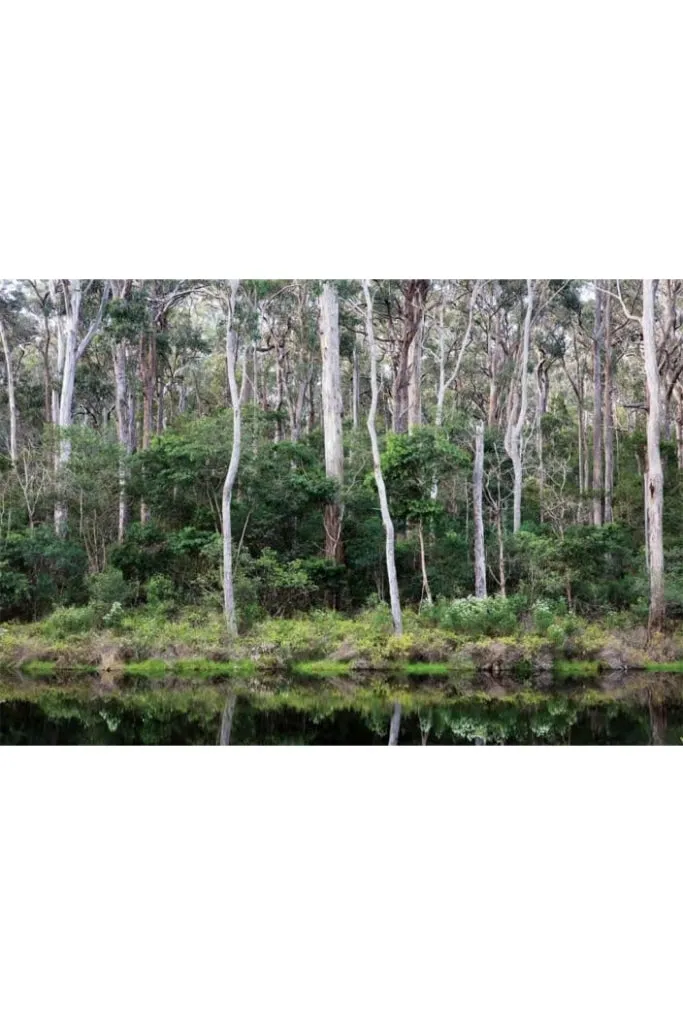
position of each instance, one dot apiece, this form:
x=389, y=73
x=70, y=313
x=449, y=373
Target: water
x=619, y=709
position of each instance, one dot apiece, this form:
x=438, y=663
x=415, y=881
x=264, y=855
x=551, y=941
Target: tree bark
x=513, y=434
x=332, y=415
x=11, y=400
x=477, y=501
x=598, y=344
x=235, y=398
x=148, y=373
x=608, y=417
x=655, y=478
x=377, y=467
x=70, y=350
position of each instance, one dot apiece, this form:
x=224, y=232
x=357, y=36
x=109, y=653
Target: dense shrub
x=477, y=616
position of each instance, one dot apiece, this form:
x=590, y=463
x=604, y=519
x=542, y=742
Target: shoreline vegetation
x=414, y=478
x=496, y=639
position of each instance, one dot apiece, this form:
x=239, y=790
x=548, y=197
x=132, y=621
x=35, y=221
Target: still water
x=619, y=709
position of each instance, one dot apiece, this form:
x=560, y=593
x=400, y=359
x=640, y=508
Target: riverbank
x=193, y=643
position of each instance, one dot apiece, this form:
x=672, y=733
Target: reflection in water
x=226, y=720
x=395, y=725
x=635, y=709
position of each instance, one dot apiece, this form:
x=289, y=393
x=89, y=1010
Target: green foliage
x=107, y=589
x=66, y=622
x=41, y=570
x=411, y=463
x=160, y=591
x=476, y=616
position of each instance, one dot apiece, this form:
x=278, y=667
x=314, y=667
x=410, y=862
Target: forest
x=341, y=470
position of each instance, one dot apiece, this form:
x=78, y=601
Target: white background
x=311, y=140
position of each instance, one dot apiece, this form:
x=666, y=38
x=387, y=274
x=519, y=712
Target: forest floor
x=324, y=645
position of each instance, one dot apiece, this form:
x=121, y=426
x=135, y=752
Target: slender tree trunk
x=355, y=387
x=148, y=372
x=70, y=350
x=477, y=502
x=598, y=343
x=655, y=478
x=513, y=434
x=377, y=467
x=423, y=565
x=608, y=417
x=332, y=415
x=11, y=401
x=235, y=398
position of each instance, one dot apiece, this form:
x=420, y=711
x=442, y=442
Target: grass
x=316, y=669
x=190, y=667
x=576, y=669
x=663, y=666
x=427, y=668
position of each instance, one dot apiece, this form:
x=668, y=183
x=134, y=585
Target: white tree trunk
x=513, y=434
x=332, y=414
x=477, y=501
x=655, y=477
x=377, y=467
x=608, y=414
x=11, y=401
x=598, y=346
x=70, y=350
x=235, y=398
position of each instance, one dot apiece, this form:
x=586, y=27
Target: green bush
x=107, y=590
x=477, y=616
x=543, y=617
x=66, y=622
x=107, y=587
x=114, y=617
x=160, y=591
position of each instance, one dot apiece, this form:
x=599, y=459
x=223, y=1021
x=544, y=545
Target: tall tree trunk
x=655, y=478
x=70, y=350
x=235, y=398
x=608, y=417
x=148, y=373
x=332, y=415
x=11, y=400
x=477, y=502
x=355, y=387
x=377, y=467
x=513, y=434
x=598, y=343
x=543, y=389
x=407, y=389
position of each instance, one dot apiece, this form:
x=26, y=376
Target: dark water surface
x=619, y=709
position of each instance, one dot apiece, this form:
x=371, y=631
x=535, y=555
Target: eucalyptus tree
x=75, y=332
x=332, y=414
x=655, y=476
x=517, y=410
x=377, y=467
x=229, y=302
